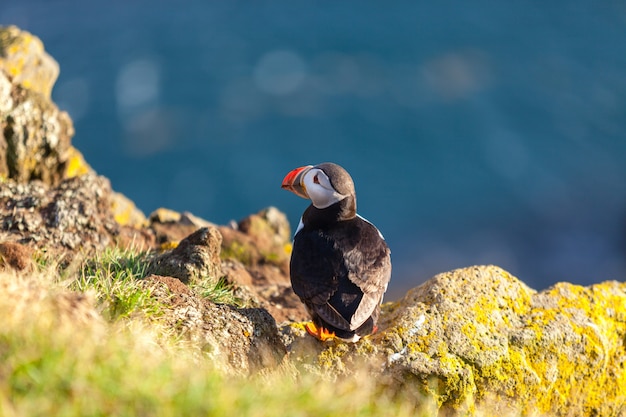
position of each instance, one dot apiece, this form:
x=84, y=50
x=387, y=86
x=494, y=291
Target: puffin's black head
x=324, y=184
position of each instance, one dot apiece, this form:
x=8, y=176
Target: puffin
x=340, y=263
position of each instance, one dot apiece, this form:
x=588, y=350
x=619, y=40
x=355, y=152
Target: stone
x=254, y=252
x=479, y=340
x=35, y=135
x=261, y=245
x=267, y=238
x=270, y=229
x=23, y=58
x=196, y=258
x=76, y=164
x=72, y=217
x=17, y=257
x=277, y=298
x=125, y=212
x=171, y=226
x=238, y=340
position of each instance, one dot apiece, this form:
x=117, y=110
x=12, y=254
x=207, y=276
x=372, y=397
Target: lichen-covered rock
x=35, y=135
x=23, y=58
x=76, y=164
x=270, y=231
x=260, y=239
x=72, y=217
x=196, y=257
x=125, y=212
x=240, y=340
x=479, y=339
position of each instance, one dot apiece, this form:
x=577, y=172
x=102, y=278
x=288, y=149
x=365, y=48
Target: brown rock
x=261, y=242
x=276, y=297
x=16, y=256
x=270, y=232
x=255, y=256
x=72, y=217
x=197, y=257
x=171, y=226
x=242, y=341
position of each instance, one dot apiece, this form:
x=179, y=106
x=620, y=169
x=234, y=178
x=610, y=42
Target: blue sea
x=476, y=132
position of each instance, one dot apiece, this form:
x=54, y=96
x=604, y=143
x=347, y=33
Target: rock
x=261, y=238
x=34, y=135
x=241, y=341
x=76, y=164
x=261, y=244
x=197, y=257
x=270, y=230
x=282, y=303
x=479, y=339
x=255, y=256
x=22, y=57
x=454, y=327
x=171, y=226
x=72, y=217
x=277, y=298
x=16, y=256
x=125, y=212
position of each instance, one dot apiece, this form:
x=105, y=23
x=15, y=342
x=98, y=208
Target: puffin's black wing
x=341, y=273
x=369, y=268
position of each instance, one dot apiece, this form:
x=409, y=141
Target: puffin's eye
x=316, y=180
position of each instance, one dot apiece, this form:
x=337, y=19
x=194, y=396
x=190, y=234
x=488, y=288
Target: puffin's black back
x=340, y=270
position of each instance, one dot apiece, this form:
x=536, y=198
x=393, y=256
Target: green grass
x=219, y=292
x=75, y=341
x=114, y=276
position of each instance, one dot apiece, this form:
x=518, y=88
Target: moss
x=237, y=251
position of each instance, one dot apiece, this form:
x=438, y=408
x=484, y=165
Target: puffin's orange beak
x=294, y=181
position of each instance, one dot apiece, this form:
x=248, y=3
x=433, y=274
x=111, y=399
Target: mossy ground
x=86, y=339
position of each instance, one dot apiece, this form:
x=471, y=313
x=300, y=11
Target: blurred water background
x=476, y=132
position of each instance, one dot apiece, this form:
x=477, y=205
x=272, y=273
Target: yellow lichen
x=22, y=55
x=288, y=247
x=169, y=245
x=540, y=370
x=125, y=212
x=76, y=164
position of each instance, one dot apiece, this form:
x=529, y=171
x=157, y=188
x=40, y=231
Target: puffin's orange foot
x=320, y=333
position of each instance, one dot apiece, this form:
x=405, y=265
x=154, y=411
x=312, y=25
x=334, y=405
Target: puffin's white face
x=319, y=189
